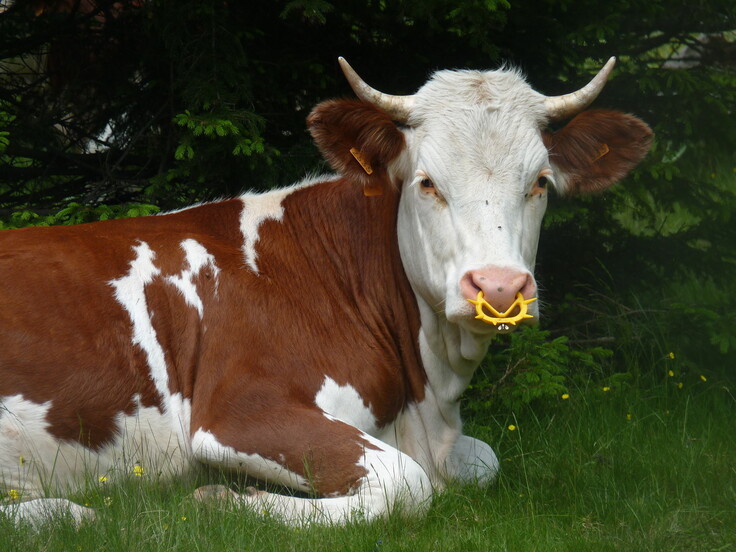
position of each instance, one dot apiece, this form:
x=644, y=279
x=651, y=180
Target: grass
x=625, y=469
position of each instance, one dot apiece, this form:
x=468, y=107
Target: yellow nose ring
x=502, y=317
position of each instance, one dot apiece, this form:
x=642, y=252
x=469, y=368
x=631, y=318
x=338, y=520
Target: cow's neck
x=450, y=355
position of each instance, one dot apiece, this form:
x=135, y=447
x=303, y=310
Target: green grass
x=627, y=469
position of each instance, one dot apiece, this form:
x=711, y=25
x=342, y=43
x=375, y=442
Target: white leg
x=38, y=511
x=393, y=479
x=472, y=461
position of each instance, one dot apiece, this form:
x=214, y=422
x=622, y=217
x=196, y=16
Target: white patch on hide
x=343, y=403
x=130, y=292
x=260, y=207
x=256, y=209
x=197, y=258
x=32, y=460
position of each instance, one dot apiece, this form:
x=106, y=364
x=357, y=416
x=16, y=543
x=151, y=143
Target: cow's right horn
x=399, y=107
x=563, y=107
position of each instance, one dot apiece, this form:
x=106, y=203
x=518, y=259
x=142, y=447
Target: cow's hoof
x=253, y=492
x=210, y=493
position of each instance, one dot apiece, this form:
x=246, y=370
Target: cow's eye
x=540, y=185
x=426, y=186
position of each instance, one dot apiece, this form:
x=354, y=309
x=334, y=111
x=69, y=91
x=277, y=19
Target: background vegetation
x=125, y=108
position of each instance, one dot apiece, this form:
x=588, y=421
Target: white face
x=475, y=176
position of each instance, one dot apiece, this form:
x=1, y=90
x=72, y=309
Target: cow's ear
x=596, y=149
x=358, y=139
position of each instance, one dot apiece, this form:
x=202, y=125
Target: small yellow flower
x=671, y=355
x=138, y=470
x=628, y=416
x=671, y=374
x=512, y=427
x=565, y=396
x=21, y=460
x=108, y=500
x=183, y=518
x=702, y=377
x=13, y=494
x=680, y=385
x=102, y=479
x=605, y=389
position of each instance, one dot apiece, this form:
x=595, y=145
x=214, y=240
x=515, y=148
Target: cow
x=317, y=336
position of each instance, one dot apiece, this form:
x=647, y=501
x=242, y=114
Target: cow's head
x=475, y=163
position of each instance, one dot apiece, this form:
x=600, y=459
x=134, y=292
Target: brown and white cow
x=317, y=336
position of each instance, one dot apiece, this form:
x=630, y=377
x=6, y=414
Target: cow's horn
x=562, y=107
x=399, y=107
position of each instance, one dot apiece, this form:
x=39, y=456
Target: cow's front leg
x=351, y=472
x=472, y=461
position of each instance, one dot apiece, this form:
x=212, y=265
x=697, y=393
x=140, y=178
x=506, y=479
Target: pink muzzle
x=500, y=286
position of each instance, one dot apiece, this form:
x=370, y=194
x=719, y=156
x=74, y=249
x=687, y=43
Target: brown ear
x=596, y=149
x=358, y=139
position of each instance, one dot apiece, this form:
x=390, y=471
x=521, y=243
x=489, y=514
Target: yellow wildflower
x=183, y=518
x=671, y=355
x=671, y=374
x=108, y=500
x=680, y=385
x=512, y=427
x=628, y=416
x=21, y=460
x=102, y=479
x=702, y=377
x=13, y=494
x=605, y=389
x=138, y=470
x=565, y=396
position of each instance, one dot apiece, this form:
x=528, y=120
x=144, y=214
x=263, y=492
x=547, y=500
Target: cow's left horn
x=399, y=107
x=562, y=107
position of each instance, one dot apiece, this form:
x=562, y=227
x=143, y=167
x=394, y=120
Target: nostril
x=529, y=289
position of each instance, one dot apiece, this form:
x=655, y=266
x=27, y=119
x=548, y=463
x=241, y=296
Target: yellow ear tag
x=362, y=160
x=603, y=150
x=370, y=188
x=502, y=317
